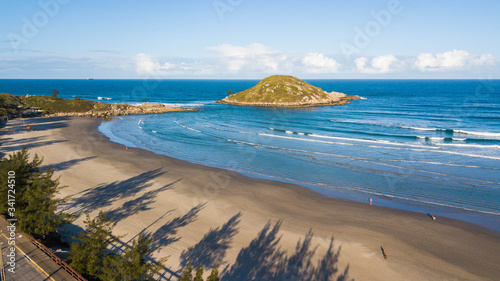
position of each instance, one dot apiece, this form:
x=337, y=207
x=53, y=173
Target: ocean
x=430, y=146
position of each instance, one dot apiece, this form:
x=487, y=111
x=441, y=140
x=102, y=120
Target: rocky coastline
x=123, y=109
x=340, y=101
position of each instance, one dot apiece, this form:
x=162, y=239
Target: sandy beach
x=179, y=203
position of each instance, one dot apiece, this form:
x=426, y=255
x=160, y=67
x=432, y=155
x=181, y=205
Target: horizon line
x=93, y=79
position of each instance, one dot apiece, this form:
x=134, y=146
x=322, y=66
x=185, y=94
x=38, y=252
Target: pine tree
x=35, y=203
x=89, y=253
x=214, y=275
x=199, y=274
x=132, y=265
x=187, y=275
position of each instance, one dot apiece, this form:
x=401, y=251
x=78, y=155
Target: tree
x=132, y=265
x=55, y=93
x=89, y=253
x=199, y=274
x=229, y=92
x=34, y=190
x=214, y=275
x=187, y=275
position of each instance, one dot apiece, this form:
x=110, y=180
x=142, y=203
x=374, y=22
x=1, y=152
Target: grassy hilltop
x=285, y=91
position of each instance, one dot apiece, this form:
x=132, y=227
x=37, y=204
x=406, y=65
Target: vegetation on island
x=285, y=91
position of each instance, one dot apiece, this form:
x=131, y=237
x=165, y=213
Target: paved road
x=31, y=262
x=25, y=269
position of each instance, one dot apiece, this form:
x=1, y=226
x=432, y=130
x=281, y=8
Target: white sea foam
x=371, y=141
x=459, y=132
x=104, y=98
x=289, y=132
x=186, y=127
x=362, y=158
x=471, y=145
x=483, y=134
x=436, y=139
x=351, y=144
x=183, y=104
x=423, y=129
x=423, y=148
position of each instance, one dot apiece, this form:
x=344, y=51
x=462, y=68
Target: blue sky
x=249, y=39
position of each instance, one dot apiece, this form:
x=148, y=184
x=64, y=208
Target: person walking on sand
x=385, y=255
x=434, y=217
x=371, y=200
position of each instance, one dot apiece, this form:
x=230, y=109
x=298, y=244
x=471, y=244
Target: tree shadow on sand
x=264, y=260
x=14, y=148
x=24, y=141
x=37, y=124
x=165, y=235
x=66, y=164
x=141, y=203
x=213, y=246
x=105, y=194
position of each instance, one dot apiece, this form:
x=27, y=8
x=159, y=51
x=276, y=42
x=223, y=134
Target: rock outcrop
x=125, y=109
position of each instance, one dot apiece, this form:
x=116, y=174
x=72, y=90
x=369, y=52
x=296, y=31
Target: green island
x=27, y=106
x=286, y=91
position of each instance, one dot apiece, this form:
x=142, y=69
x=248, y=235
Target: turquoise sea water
x=423, y=145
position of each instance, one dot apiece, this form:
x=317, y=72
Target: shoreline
x=341, y=101
x=484, y=219
x=88, y=161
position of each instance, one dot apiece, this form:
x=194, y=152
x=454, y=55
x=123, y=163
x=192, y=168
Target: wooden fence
x=57, y=259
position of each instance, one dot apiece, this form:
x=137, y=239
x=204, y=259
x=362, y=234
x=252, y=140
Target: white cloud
x=319, y=63
x=258, y=60
x=252, y=58
x=146, y=65
x=378, y=65
x=452, y=61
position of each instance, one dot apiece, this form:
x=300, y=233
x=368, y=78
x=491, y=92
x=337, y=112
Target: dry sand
x=156, y=194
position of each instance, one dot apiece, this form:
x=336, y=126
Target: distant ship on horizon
x=90, y=78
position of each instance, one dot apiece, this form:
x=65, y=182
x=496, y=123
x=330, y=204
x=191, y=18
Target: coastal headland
x=13, y=106
x=180, y=203
x=286, y=91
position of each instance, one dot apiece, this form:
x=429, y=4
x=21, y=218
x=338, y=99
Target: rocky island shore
x=124, y=109
x=286, y=91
